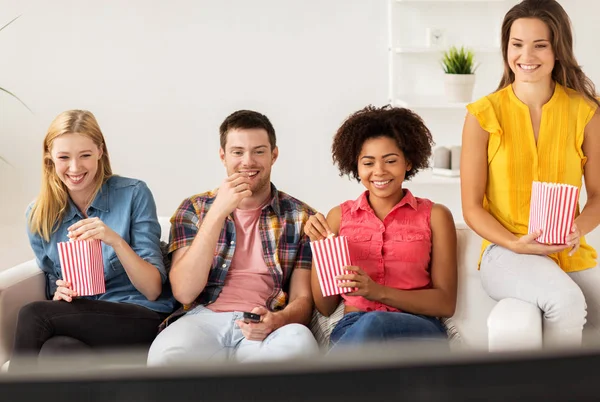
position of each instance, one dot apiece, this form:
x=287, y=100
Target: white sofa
x=481, y=323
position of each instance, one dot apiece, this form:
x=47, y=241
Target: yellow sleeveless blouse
x=515, y=160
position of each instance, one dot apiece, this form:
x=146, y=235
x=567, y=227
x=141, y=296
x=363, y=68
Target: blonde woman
x=80, y=199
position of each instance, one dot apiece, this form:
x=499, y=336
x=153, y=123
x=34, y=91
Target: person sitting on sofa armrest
x=541, y=124
x=80, y=199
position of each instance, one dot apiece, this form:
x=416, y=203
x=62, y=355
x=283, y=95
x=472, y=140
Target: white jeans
x=566, y=299
x=202, y=335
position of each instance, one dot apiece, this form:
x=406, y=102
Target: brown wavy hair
x=567, y=72
x=402, y=125
x=246, y=119
x=51, y=204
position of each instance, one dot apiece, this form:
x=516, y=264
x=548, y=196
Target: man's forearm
x=189, y=273
x=297, y=311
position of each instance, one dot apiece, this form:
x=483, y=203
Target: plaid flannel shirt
x=281, y=228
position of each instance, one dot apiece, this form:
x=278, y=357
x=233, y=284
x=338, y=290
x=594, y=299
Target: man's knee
x=180, y=343
x=298, y=335
x=167, y=348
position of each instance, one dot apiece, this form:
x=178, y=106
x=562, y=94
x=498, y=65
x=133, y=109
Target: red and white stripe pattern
x=330, y=256
x=83, y=266
x=552, y=209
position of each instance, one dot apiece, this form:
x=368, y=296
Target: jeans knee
x=568, y=306
x=163, y=352
x=299, y=335
x=374, y=322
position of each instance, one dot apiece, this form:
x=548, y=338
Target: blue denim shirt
x=127, y=207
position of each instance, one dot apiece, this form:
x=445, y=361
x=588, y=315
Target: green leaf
x=458, y=61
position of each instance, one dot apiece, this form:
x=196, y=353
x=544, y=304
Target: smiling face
x=530, y=55
x=382, y=167
x=75, y=159
x=248, y=151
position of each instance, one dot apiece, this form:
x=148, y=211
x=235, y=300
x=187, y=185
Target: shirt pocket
x=411, y=245
x=360, y=246
x=115, y=268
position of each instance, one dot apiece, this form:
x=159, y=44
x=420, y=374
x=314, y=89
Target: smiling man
x=240, y=249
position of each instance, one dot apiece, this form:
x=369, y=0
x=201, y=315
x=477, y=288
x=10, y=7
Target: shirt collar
x=363, y=201
x=100, y=203
x=275, y=200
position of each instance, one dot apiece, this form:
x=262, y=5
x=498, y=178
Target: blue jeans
x=376, y=326
x=202, y=335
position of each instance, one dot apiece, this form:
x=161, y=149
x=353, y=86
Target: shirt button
x=224, y=265
x=232, y=242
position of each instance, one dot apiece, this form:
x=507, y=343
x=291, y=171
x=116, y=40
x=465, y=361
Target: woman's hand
x=317, y=228
x=573, y=239
x=365, y=286
x=63, y=291
x=528, y=245
x=93, y=229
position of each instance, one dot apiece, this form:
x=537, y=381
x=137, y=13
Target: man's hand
x=363, y=284
x=269, y=322
x=233, y=190
x=63, y=291
x=528, y=245
x=317, y=228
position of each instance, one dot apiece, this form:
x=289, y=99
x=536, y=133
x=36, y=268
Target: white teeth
x=381, y=183
x=76, y=179
x=250, y=174
x=528, y=66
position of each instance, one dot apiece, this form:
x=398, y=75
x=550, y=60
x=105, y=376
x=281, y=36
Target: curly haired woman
x=403, y=248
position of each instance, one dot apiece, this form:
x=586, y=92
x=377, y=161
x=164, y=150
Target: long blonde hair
x=567, y=71
x=51, y=204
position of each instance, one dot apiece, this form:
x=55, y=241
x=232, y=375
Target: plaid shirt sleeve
x=304, y=256
x=184, y=225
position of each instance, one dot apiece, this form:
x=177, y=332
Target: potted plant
x=459, y=66
x=7, y=91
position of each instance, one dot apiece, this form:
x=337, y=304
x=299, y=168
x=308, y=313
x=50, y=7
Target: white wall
x=161, y=76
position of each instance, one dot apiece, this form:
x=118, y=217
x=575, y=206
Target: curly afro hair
x=400, y=124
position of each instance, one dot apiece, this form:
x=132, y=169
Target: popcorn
x=552, y=209
x=82, y=266
x=330, y=256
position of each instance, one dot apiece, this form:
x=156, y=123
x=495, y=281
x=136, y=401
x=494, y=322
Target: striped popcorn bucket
x=82, y=266
x=552, y=209
x=330, y=256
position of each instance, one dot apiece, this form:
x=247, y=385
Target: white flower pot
x=459, y=87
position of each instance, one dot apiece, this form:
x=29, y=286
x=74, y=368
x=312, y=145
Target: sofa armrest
x=514, y=325
x=19, y=285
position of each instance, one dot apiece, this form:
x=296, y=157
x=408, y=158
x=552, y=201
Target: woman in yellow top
x=541, y=124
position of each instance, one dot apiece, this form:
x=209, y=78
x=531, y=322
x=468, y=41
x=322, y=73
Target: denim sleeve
x=145, y=229
x=42, y=259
